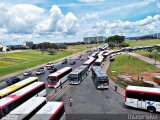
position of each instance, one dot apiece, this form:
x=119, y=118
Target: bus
x=79, y=74
x=98, y=62
x=56, y=78
x=15, y=99
x=146, y=98
x=8, y=90
x=89, y=62
x=26, y=110
x=100, y=78
x=51, y=111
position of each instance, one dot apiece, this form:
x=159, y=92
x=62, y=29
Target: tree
x=123, y=45
x=112, y=44
x=155, y=52
x=116, y=39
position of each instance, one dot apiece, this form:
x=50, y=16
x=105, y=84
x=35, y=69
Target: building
x=3, y=48
x=97, y=39
x=29, y=44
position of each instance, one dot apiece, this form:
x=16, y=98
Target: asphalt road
x=92, y=104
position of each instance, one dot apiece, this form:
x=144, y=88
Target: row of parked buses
x=26, y=100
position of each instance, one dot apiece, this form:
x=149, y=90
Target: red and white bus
x=51, y=111
x=55, y=78
x=143, y=98
x=15, y=99
x=89, y=62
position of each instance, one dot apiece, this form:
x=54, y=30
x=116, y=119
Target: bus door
x=141, y=103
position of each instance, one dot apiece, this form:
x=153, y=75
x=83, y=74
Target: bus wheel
x=151, y=109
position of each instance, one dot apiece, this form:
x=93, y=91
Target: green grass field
x=124, y=64
x=133, y=43
x=13, y=62
x=149, y=54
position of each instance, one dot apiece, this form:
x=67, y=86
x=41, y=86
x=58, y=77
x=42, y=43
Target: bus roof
x=49, y=109
x=60, y=71
x=99, y=59
x=89, y=61
x=17, y=94
x=99, y=72
x=79, y=69
x=143, y=89
x=26, y=107
x=16, y=86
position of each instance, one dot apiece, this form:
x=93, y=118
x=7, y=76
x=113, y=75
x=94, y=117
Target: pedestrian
x=115, y=87
x=138, y=77
x=70, y=101
x=142, y=77
x=61, y=84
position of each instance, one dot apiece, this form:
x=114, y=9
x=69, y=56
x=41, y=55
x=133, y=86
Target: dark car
x=64, y=61
x=53, y=70
x=73, y=62
x=12, y=80
x=40, y=71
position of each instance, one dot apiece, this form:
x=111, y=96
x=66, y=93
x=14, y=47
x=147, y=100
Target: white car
x=49, y=64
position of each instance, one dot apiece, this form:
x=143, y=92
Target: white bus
x=26, y=110
x=78, y=75
x=15, y=99
x=55, y=78
x=98, y=62
x=143, y=97
x=51, y=111
x=100, y=78
x=89, y=62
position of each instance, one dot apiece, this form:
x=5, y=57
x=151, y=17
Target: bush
x=124, y=45
x=112, y=44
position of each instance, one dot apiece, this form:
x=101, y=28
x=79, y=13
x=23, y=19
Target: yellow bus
x=8, y=90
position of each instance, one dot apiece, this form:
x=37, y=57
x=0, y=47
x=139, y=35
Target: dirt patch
x=148, y=76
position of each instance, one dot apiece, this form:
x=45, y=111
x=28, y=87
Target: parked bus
x=98, y=62
x=8, y=90
x=51, y=111
x=56, y=78
x=89, y=62
x=100, y=78
x=15, y=99
x=79, y=74
x=26, y=110
x=143, y=97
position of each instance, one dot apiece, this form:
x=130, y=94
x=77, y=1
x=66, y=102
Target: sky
x=60, y=21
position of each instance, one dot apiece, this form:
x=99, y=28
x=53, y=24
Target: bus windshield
x=72, y=77
x=103, y=80
x=52, y=79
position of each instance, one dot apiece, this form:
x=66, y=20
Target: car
x=49, y=65
x=111, y=59
x=64, y=61
x=27, y=73
x=12, y=80
x=53, y=70
x=40, y=71
x=72, y=62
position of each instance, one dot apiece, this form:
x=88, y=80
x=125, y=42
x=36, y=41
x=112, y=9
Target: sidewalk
x=146, y=59
x=120, y=90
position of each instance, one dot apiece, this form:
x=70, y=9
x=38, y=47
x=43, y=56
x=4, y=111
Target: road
x=92, y=104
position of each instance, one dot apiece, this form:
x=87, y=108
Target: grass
x=134, y=43
x=124, y=64
x=14, y=62
x=149, y=54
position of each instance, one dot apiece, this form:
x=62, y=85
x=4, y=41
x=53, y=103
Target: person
x=115, y=87
x=61, y=84
x=70, y=101
x=142, y=77
x=138, y=77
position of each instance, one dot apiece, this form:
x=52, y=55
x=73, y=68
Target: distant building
x=29, y=44
x=3, y=48
x=97, y=39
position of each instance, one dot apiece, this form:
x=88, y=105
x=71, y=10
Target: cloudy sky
x=71, y=20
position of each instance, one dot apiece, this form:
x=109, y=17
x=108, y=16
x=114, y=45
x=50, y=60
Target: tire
x=151, y=109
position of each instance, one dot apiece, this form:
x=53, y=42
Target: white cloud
x=91, y=1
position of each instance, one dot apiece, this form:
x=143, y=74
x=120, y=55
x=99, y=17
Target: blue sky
x=71, y=20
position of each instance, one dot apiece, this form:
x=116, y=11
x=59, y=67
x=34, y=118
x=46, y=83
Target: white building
x=96, y=39
x=3, y=48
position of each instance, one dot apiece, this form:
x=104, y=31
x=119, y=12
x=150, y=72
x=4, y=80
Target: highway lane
x=59, y=65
